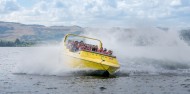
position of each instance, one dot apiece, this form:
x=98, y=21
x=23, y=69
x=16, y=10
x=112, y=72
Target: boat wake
x=146, y=51
x=140, y=52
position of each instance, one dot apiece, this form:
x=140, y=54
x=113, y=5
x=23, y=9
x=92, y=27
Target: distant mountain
x=10, y=31
x=29, y=34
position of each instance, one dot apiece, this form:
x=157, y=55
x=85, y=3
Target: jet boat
x=87, y=59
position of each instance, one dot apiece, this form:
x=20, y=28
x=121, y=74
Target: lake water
x=38, y=70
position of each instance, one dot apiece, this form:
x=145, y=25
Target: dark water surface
x=23, y=83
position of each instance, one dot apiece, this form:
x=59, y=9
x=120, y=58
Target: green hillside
x=10, y=31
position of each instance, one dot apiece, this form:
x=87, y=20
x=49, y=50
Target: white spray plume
x=145, y=48
x=43, y=60
x=137, y=49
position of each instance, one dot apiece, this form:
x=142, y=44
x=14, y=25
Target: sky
x=97, y=13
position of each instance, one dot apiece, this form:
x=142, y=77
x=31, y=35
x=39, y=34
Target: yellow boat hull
x=91, y=60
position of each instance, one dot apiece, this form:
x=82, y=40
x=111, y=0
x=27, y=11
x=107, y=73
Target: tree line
x=16, y=43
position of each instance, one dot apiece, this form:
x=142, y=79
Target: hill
x=33, y=33
x=10, y=31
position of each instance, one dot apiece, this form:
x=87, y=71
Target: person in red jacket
x=100, y=50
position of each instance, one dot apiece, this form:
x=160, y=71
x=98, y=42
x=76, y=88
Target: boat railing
x=65, y=39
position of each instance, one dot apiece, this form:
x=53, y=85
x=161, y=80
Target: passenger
x=81, y=41
x=96, y=48
x=74, y=46
x=70, y=44
x=69, y=41
x=104, y=51
x=85, y=47
x=109, y=52
x=67, y=45
x=93, y=48
x=100, y=50
x=71, y=48
x=79, y=45
x=88, y=48
x=82, y=48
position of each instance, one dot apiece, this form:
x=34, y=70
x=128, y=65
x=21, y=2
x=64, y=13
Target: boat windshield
x=75, y=46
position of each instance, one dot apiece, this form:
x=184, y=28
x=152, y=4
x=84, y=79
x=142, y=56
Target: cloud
x=175, y=3
x=97, y=12
x=8, y=6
